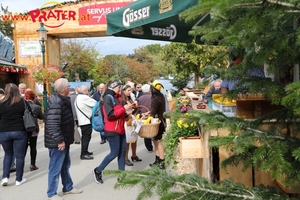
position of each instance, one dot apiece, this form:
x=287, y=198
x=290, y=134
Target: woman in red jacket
x=114, y=117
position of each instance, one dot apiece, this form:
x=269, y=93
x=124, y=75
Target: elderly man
x=214, y=89
x=99, y=92
x=97, y=96
x=59, y=135
x=83, y=106
x=22, y=89
x=145, y=101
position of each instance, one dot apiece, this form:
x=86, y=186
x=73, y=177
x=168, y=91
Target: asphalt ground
x=81, y=172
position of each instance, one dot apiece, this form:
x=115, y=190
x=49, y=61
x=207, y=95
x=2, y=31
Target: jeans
x=13, y=143
x=117, y=145
x=86, y=135
x=59, y=164
x=102, y=136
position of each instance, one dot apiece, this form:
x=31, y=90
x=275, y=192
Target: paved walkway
x=81, y=173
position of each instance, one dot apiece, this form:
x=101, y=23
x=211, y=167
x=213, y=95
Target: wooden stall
x=209, y=167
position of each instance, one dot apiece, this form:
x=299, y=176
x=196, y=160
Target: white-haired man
x=83, y=106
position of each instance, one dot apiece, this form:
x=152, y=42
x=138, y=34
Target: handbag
x=28, y=119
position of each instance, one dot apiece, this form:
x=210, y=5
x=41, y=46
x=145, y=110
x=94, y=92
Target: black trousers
x=33, y=152
x=86, y=134
x=148, y=144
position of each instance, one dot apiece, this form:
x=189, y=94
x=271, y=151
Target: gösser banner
x=154, y=20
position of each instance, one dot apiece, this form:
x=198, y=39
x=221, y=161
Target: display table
x=210, y=168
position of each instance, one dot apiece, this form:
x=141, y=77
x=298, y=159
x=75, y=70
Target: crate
x=191, y=147
x=229, y=111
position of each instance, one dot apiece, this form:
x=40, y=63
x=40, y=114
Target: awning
x=154, y=20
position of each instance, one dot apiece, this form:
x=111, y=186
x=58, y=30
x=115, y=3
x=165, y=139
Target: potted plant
x=183, y=126
x=47, y=74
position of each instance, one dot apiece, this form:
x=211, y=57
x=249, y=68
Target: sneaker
x=21, y=182
x=55, y=197
x=4, y=182
x=73, y=191
x=97, y=176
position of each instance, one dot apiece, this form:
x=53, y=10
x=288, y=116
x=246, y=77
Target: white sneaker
x=4, y=182
x=55, y=197
x=21, y=182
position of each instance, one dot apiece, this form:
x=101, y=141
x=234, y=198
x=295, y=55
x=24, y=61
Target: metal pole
x=45, y=95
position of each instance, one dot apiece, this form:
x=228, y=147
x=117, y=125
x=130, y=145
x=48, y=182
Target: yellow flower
x=179, y=123
x=185, y=125
x=193, y=124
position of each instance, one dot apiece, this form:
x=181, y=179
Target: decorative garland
x=13, y=70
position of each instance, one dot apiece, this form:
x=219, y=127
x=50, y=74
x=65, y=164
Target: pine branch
x=188, y=186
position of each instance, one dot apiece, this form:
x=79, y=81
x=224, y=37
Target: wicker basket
x=149, y=130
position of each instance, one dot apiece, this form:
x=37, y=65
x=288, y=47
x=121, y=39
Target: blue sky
x=106, y=45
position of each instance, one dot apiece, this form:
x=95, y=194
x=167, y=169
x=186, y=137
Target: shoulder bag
x=29, y=121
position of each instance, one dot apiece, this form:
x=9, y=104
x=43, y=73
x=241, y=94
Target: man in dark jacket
x=59, y=135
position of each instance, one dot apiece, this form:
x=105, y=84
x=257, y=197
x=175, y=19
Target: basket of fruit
x=149, y=127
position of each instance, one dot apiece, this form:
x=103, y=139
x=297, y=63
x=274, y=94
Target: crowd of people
x=67, y=121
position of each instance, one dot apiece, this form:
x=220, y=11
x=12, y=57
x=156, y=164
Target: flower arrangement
x=186, y=128
x=184, y=104
x=182, y=125
x=47, y=74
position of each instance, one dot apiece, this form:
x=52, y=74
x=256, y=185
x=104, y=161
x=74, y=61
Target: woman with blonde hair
x=13, y=135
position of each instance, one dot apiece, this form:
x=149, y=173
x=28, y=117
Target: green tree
x=268, y=33
x=78, y=58
x=266, y=30
x=193, y=58
x=6, y=26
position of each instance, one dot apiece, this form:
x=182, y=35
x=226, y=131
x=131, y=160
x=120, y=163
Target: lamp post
x=43, y=38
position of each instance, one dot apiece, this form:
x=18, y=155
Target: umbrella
x=154, y=20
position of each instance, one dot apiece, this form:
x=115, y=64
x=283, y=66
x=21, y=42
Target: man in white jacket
x=83, y=106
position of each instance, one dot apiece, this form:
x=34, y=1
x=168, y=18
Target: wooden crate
x=287, y=188
x=191, y=147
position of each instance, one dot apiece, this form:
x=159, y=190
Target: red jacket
x=114, y=114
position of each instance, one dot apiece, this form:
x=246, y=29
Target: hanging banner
x=97, y=12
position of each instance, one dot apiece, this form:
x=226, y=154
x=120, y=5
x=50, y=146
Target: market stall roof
x=6, y=63
x=154, y=20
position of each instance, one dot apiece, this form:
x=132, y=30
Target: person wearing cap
x=114, y=117
x=158, y=107
x=32, y=138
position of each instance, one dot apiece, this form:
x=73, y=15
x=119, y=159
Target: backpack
x=97, y=115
